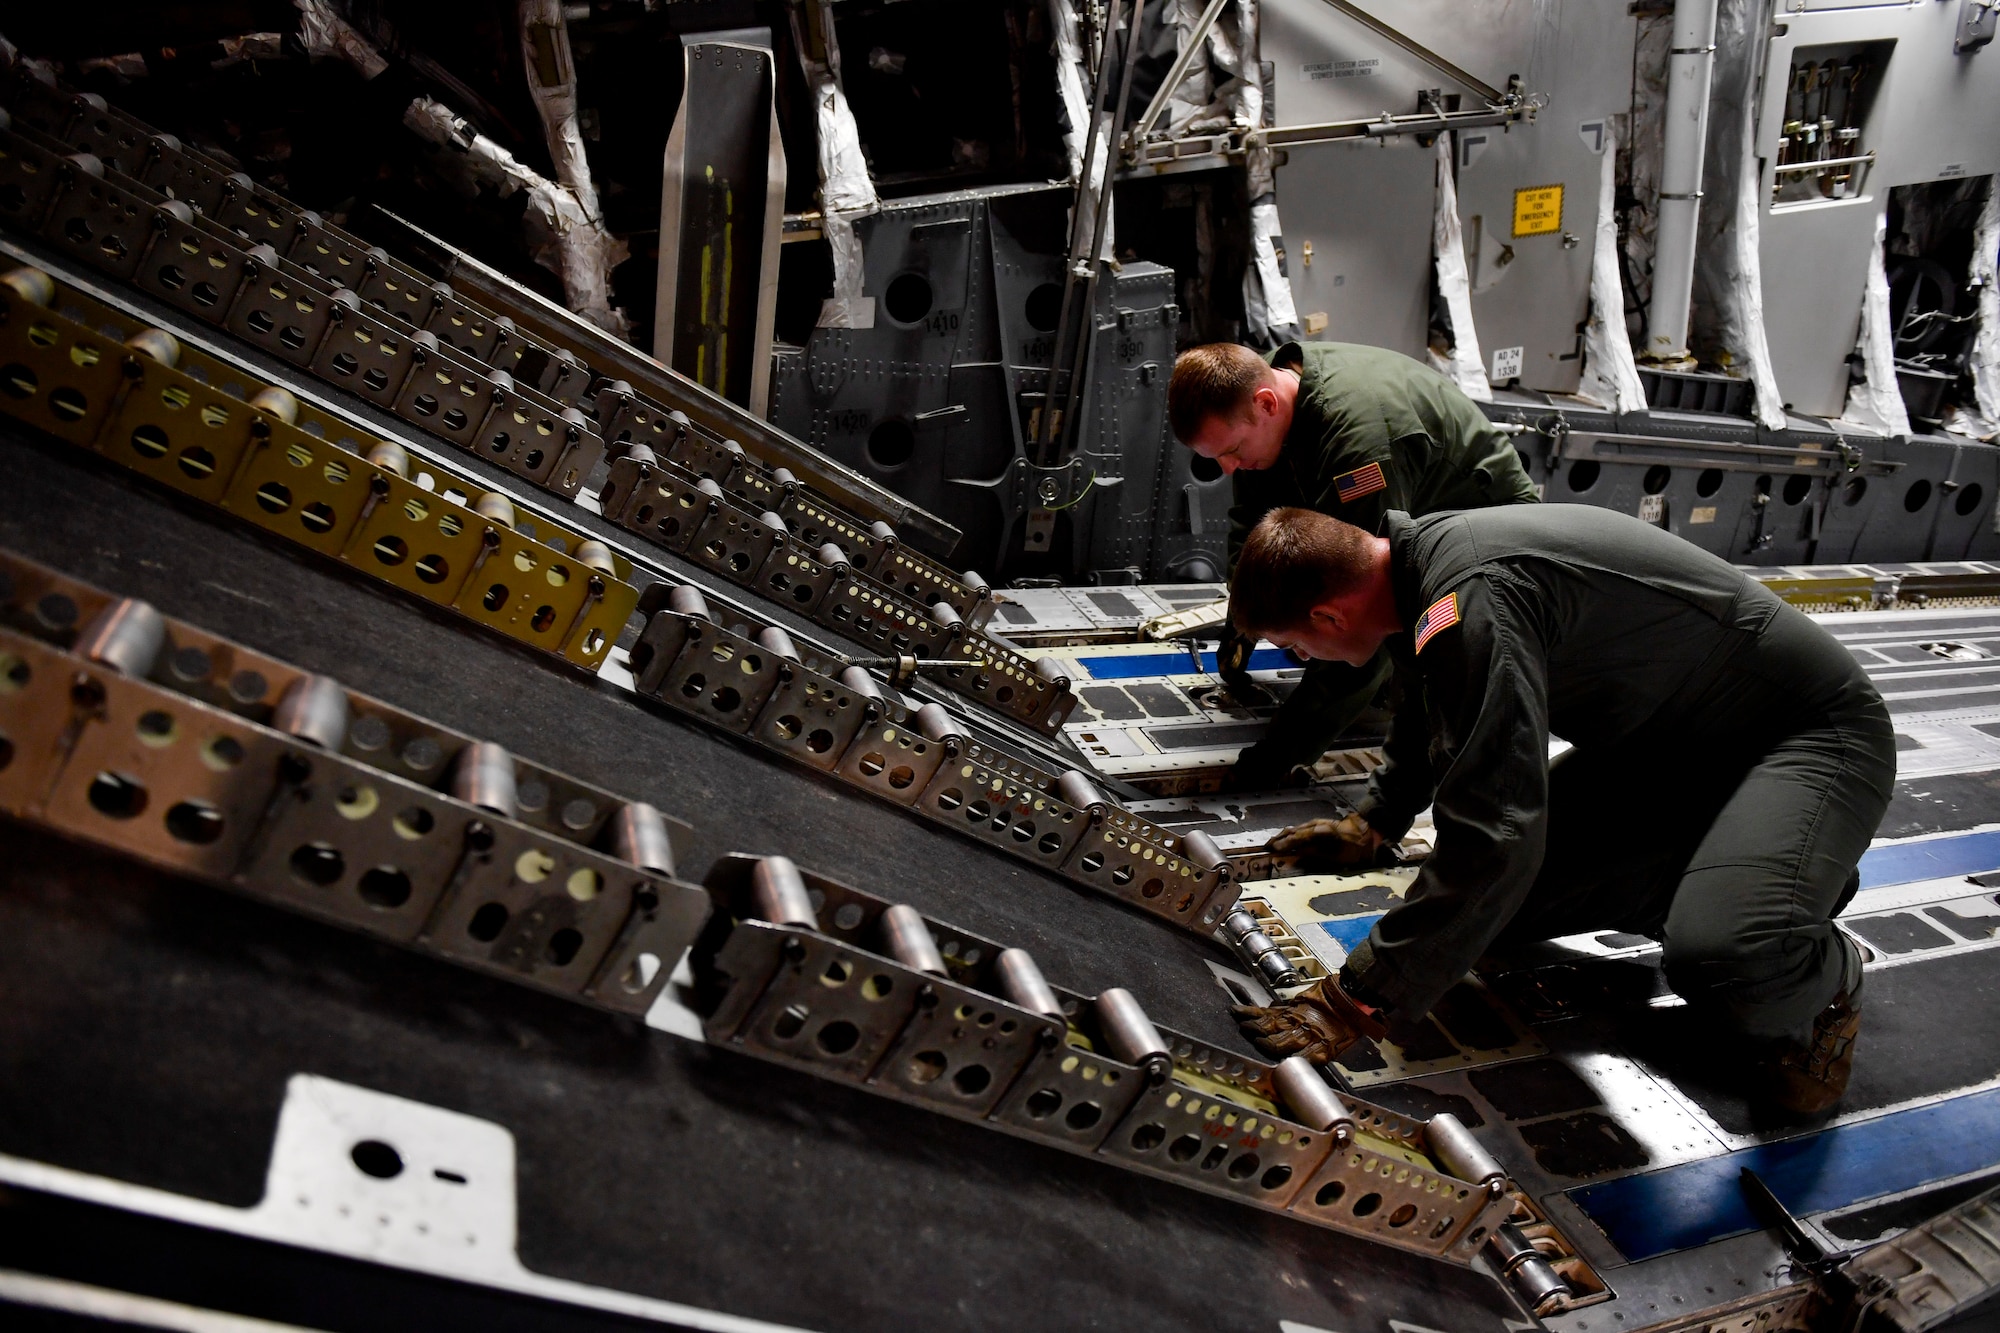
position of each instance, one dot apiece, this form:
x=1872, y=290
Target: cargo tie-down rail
x=131, y=731
x=143, y=208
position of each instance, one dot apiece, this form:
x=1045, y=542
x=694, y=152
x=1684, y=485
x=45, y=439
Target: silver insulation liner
x=1465, y=366
x=1610, y=373
x=1875, y=402
x=563, y=237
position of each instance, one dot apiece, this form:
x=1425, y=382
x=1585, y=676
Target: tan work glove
x=1320, y=1023
x=1349, y=842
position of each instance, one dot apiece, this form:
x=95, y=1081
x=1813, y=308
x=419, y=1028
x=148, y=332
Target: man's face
x=1251, y=439
x=1330, y=635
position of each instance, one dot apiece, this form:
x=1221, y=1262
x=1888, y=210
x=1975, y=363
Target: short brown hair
x=1213, y=380
x=1293, y=561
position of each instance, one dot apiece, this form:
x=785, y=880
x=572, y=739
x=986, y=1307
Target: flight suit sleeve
x=1343, y=457
x=1402, y=786
x=1250, y=498
x=1485, y=686
x=1328, y=697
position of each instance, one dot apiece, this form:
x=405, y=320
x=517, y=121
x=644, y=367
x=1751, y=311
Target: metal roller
x=1509, y=1246
x=773, y=522
x=88, y=163
x=832, y=556
x=30, y=284
x=178, y=211
x=687, y=600
x=278, y=402
x=485, y=777
x=708, y=487
x=495, y=508
x=638, y=837
x=641, y=454
x=1539, y=1284
x=857, y=679
x=1052, y=671
x=1305, y=1093
x=1199, y=848
x=972, y=579
x=314, y=709
x=1256, y=944
x=907, y=939
x=946, y=614
x=778, y=895
x=1080, y=791
x=1023, y=985
x=882, y=533
x=1130, y=1035
x=1459, y=1153
x=391, y=457
x=158, y=344
x=1276, y=967
x=1239, y=923
x=937, y=725
x=578, y=423
x=126, y=636
x=774, y=639
x=1514, y=1255
x=263, y=256
x=681, y=423
x=594, y=554
x=502, y=381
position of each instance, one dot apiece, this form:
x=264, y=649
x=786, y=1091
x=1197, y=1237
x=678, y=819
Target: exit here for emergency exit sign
x=1538, y=210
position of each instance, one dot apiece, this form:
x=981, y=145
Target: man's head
x=1225, y=403
x=1316, y=585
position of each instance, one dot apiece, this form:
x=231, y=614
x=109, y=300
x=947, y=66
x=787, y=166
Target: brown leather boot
x=1809, y=1076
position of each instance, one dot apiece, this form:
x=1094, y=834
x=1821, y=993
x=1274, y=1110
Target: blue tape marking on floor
x=1350, y=931
x=1175, y=664
x=1697, y=1202
x=1933, y=858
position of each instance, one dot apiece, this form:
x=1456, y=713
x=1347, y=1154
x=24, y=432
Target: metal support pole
x=1081, y=242
x=1690, y=64
x=1419, y=50
x=1079, y=355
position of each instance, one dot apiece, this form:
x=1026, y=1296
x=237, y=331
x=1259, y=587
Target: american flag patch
x=1351, y=486
x=1442, y=615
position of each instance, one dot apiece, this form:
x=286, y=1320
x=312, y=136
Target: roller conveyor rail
x=162, y=742
x=658, y=385
x=141, y=208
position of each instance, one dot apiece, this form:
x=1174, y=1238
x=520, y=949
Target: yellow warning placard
x=1538, y=210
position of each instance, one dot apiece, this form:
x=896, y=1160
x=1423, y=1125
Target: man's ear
x=1327, y=616
x=1264, y=399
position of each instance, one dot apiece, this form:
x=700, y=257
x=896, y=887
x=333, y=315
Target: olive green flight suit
x=1731, y=763
x=1356, y=407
